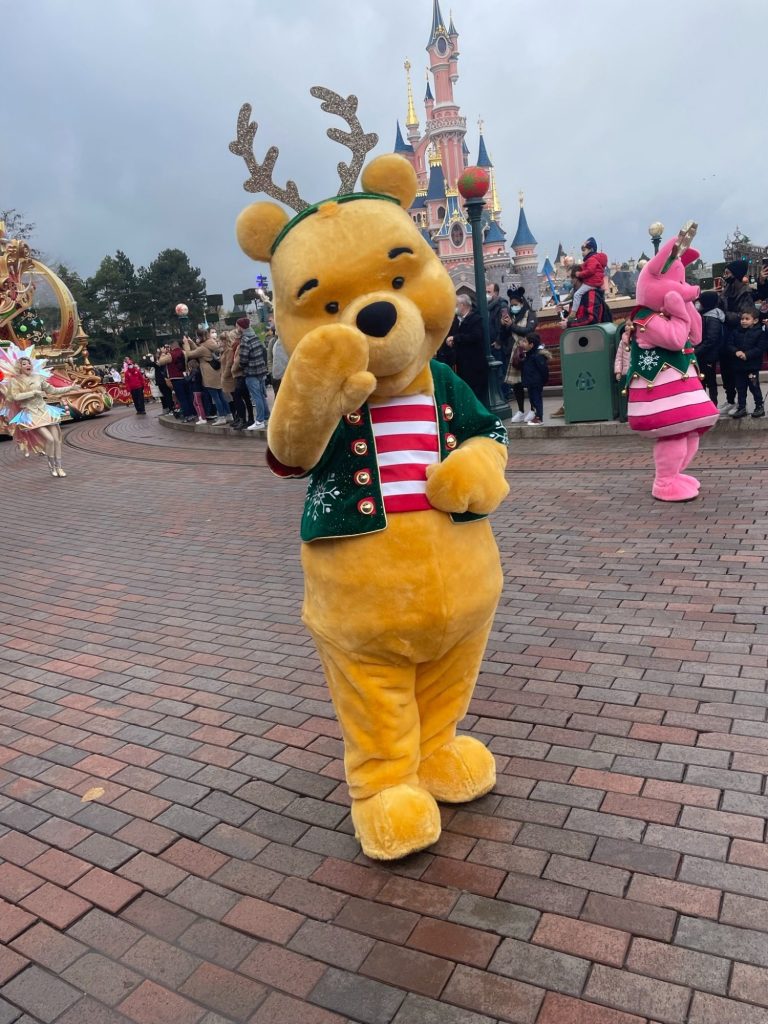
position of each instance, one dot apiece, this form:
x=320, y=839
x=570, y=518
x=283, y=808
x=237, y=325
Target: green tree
x=17, y=226
x=114, y=287
x=171, y=279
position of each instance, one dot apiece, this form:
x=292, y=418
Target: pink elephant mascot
x=666, y=398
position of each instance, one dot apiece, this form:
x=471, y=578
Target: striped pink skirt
x=674, y=405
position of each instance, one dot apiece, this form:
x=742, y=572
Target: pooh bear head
x=358, y=260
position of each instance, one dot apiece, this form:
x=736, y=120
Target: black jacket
x=523, y=324
x=710, y=349
x=495, y=309
x=735, y=299
x=535, y=369
x=471, y=364
x=753, y=342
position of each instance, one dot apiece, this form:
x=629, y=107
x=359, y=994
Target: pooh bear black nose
x=377, y=320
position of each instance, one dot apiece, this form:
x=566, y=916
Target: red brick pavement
x=152, y=650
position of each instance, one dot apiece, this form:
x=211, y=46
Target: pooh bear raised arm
x=327, y=377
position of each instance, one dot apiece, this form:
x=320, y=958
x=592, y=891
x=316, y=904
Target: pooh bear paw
x=331, y=364
x=470, y=479
x=395, y=822
x=461, y=770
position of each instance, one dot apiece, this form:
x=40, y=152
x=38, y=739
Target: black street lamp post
x=656, y=230
x=473, y=185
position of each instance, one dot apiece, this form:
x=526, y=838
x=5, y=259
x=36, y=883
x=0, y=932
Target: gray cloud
x=608, y=114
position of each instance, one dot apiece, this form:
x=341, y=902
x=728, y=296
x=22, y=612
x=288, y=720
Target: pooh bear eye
x=398, y=282
x=332, y=307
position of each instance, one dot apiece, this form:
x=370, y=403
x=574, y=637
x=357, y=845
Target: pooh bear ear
x=257, y=228
x=391, y=175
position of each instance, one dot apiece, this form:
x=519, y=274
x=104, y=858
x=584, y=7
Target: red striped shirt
x=405, y=431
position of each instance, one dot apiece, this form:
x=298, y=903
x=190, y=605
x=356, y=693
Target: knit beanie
x=243, y=323
x=591, y=243
x=708, y=301
x=738, y=268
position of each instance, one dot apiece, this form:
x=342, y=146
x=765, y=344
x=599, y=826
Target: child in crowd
x=749, y=344
x=590, y=275
x=195, y=378
x=709, y=351
x=534, y=372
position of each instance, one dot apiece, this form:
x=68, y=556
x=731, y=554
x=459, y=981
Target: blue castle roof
x=419, y=202
x=428, y=94
x=438, y=25
x=453, y=212
x=495, y=233
x=547, y=268
x=523, y=235
x=428, y=238
x=483, y=160
x=401, y=146
x=436, y=188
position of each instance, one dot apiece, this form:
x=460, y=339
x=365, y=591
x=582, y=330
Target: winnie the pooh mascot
x=666, y=397
x=402, y=574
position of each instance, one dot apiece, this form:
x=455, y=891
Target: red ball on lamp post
x=473, y=184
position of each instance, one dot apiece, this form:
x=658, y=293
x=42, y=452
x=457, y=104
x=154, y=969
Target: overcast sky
x=116, y=115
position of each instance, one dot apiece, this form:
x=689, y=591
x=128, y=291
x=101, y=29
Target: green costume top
x=344, y=497
x=648, y=363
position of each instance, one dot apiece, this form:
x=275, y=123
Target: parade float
x=37, y=308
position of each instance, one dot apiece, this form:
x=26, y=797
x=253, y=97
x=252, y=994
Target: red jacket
x=593, y=270
x=134, y=378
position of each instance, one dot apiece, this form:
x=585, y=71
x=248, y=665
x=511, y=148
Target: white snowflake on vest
x=649, y=360
x=322, y=495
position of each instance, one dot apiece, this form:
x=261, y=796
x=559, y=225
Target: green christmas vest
x=344, y=497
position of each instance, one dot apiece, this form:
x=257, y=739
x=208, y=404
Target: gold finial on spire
x=435, y=157
x=411, y=120
x=521, y=197
x=495, y=206
x=480, y=124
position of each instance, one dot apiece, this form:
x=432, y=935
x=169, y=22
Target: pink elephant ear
x=689, y=256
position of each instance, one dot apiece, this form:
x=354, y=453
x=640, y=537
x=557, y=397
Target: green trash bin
x=590, y=393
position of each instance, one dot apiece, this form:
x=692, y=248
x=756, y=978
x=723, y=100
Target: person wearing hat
x=590, y=275
x=518, y=322
x=709, y=351
x=252, y=359
x=736, y=297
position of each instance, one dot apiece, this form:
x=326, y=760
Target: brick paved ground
x=175, y=846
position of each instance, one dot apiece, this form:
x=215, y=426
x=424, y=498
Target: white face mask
x=515, y=309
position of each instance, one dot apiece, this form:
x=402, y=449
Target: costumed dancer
x=666, y=397
x=34, y=423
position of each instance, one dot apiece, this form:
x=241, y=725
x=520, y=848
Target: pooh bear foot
x=459, y=771
x=395, y=822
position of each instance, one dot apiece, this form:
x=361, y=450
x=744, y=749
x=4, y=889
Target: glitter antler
x=261, y=174
x=356, y=139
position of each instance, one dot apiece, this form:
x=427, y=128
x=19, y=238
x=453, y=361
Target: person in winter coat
x=748, y=345
x=207, y=351
x=736, y=295
x=514, y=378
x=252, y=360
x=590, y=275
x=518, y=321
x=535, y=374
x=134, y=382
x=467, y=336
x=176, y=361
x=709, y=351
x=278, y=360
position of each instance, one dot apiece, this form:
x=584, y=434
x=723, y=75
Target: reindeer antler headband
x=356, y=140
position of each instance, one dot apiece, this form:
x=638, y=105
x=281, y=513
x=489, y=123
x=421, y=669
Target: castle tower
x=525, y=261
x=439, y=157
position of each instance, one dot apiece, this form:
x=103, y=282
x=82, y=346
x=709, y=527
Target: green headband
x=316, y=206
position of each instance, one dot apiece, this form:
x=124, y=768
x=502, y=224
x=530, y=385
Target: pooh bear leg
x=669, y=454
x=692, y=441
x=453, y=768
x=376, y=707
